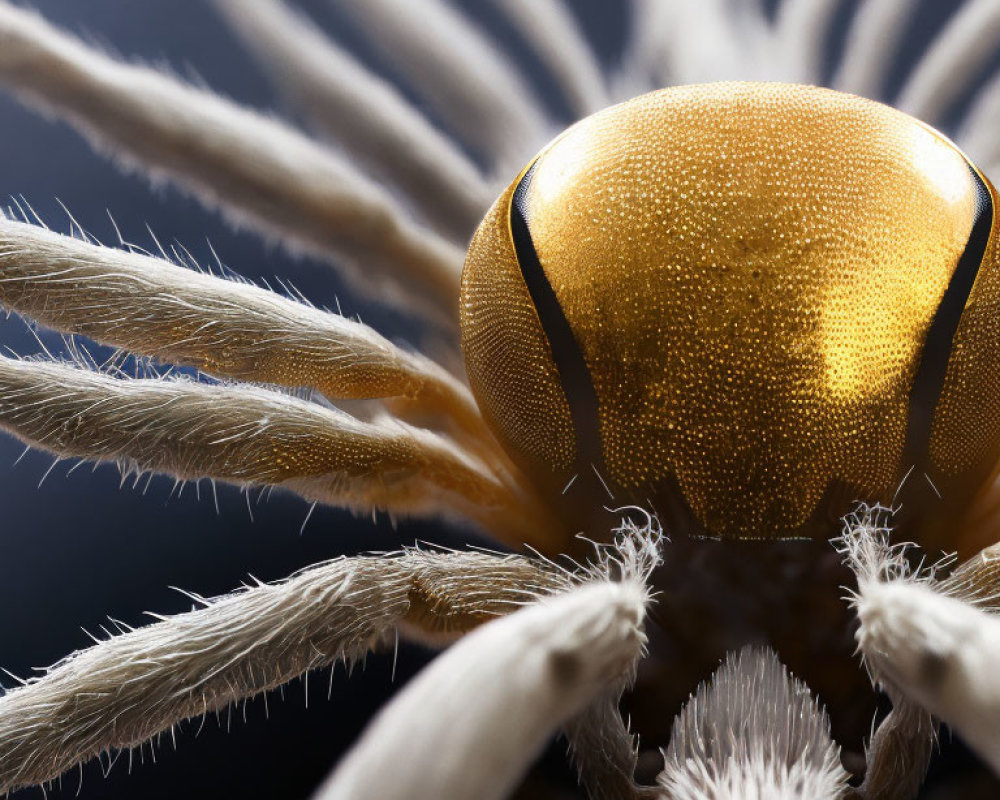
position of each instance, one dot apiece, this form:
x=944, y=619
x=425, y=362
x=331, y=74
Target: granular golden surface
x=750, y=271
x=967, y=422
x=507, y=356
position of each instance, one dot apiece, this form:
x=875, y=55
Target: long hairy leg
x=933, y=642
x=469, y=725
x=694, y=29
x=255, y=168
x=253, y=436
x=555, y=34
x=236, y=330
x=801, y=31
x=874, y=38
x=900, y=750
x=603, y=748
x=977, y=133
x=962, y=48
x=461, y=74
x=647, y=62
x=122, y=691
x=227, y=328
x=364, y=114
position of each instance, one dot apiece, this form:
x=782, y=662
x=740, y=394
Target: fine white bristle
x=753, y=731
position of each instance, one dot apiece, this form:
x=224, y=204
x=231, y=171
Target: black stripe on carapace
x=566, y=352
x=929, y=380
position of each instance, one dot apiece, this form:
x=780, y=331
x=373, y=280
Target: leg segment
x=122, y=691
x=933, y=643
x=235, y=330
x=364, y=114
x=247, y=435
x=252, y=166
x=470, y=725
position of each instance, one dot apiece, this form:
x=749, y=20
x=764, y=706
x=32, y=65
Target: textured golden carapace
x=745, y=304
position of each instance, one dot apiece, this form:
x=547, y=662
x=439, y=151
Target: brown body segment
x=751, y=273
